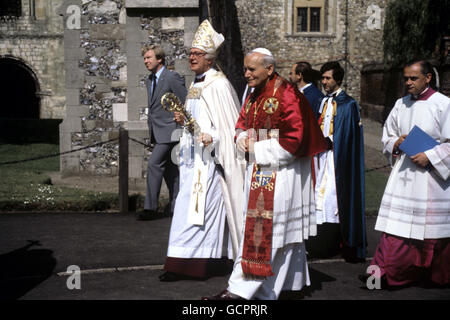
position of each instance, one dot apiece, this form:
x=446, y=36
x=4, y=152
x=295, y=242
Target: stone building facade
x=350, y=31
x=105, y=77
x=31, y=44
x=86, y=57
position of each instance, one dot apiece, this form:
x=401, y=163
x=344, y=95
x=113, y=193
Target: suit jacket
x=314, y=97
x=160, y=122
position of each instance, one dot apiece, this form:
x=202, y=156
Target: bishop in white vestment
x=207, y=221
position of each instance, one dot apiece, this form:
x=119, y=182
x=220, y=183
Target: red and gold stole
x=261, y=113
x=257, y=254
x=324, y=112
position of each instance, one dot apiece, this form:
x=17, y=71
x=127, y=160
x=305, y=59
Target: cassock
x=339, y=172
x=287, y=136
x=414, y=215
x=208, y=210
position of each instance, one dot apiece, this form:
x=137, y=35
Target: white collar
x=158, y=74
x=210, y=70
x=304, y=87
x=335, y=94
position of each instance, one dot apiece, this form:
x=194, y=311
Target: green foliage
x=414, y=29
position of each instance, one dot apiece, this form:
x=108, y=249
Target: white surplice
x=325, y=190
x=416, y=201
x=204, y=191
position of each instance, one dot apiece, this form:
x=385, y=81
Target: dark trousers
x=160, y=166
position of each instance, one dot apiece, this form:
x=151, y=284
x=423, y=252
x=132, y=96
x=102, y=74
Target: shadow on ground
x=23, y=269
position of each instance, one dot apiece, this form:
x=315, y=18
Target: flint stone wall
x=106, y=78
x=269, y=24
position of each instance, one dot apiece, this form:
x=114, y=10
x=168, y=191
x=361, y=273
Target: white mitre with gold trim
x=206, y=38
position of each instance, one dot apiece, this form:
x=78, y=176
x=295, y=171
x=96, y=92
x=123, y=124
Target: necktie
x=153, y=84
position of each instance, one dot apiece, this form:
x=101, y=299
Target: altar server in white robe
x=414, y=215
x=279, y=134
x=207, y=222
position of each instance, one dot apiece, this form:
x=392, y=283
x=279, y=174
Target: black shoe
x=168, y=211
x=170, y=277
x=224, y=295
x=148, y=215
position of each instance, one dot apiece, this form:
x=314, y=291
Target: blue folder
x=417, y=141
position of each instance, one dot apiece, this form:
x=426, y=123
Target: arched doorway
x=18, y=90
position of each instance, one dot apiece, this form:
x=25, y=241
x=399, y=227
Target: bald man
x=278, y=134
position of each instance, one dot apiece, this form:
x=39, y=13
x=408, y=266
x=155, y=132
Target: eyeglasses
x=410, y=78
x=197, y=54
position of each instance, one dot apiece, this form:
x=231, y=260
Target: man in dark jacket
x=161, y=126
x=302, y=76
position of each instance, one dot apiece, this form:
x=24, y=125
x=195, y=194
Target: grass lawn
x=26, y=185
x=375, y=184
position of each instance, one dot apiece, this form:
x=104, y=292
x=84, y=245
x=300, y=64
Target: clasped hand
x=419, y=159
x=246, y=145
x=204, y=138
x=178, y=117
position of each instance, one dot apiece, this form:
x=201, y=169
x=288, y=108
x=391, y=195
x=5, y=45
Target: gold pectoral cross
x=198, y=189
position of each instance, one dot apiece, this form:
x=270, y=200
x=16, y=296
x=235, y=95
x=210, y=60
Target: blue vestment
x=348, y=142
x=314, y=97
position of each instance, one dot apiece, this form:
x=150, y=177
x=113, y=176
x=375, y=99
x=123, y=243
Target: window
x=314, y=22
x=302, y=19
x=10, y=8
x=309, y=15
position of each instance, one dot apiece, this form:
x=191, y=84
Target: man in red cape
x=278, y=134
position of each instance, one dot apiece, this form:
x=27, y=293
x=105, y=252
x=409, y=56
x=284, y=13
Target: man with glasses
x=414, y=215
x=208, y=210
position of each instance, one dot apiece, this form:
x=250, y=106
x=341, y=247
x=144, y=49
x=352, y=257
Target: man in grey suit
x=161, y=125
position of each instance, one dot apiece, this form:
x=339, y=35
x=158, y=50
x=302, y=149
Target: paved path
x=120, y=258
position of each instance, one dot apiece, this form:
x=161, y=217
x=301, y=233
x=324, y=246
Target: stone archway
x=19, y=88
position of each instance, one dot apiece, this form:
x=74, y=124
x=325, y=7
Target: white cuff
x=242, y=135
x=436, y=161
x=269, y=153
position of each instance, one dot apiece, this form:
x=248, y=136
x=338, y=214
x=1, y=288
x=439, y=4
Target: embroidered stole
x=256, y=256
x=197, y=202
x=257, y=250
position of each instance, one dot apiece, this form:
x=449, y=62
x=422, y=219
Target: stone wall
x=95, y=65
x=172, y=26
x=36, y=39
x=105, y=77
x=269, y=24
